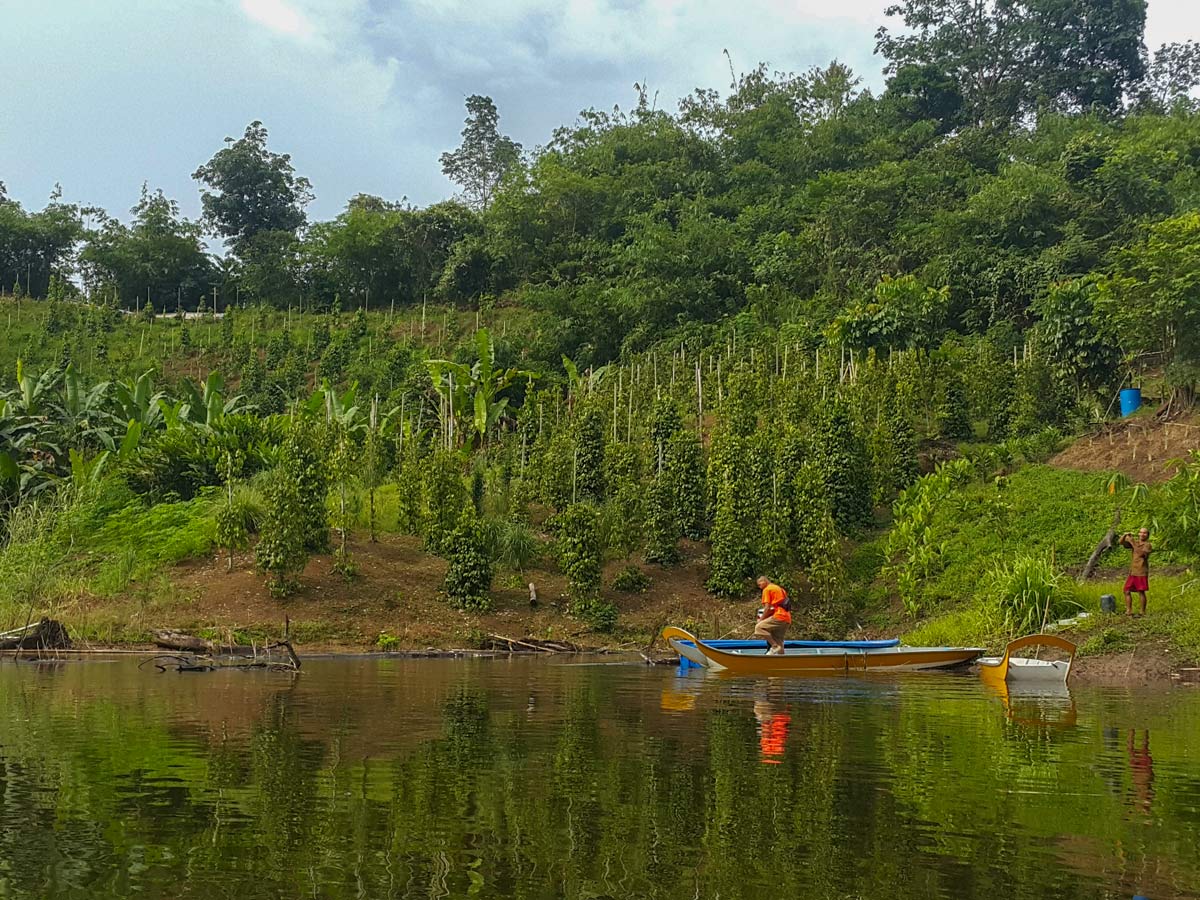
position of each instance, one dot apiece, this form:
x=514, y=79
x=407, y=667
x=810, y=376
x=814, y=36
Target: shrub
x=442, y=497
x=845, y=467
x=631, y=580
x=589, y=456
x=684, y=471
x=469, y=577
x=1110, y=640
x=281, y=551
x=731, y=560
x=600, y=614
x=577, y=545
x=386, y=642
x=662, y=533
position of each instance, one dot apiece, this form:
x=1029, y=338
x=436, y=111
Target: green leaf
x=8, y=468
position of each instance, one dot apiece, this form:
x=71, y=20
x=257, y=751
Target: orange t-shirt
x=772, y=596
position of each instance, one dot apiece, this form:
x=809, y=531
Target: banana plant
x=581, y=385
x=207, y=406
x=476, y=390
x=85, y=411
x=34, y=397
x=137, y=401
x=87, y=471
x=341, y=409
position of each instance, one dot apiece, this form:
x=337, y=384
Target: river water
x=549, y=778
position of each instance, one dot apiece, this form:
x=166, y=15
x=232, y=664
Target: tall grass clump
x=1027, y=592
x=33, y=553
x=511, y=543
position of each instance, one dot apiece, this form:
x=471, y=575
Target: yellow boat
x=828, y=660
x=1009, y=668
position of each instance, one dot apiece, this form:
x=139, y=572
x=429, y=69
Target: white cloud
x=279, y=17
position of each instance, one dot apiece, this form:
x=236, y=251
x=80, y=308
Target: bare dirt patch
x=397, y=592
x=1140, y=448
x=1150, y=662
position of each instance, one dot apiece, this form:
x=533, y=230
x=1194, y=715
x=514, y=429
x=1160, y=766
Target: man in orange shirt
x=775, y=615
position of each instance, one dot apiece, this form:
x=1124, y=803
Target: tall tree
x=1011, y=57
x=485, y=155
x=251, y=190
x=1172, y=75
x=1087, y=54
x=981, y=43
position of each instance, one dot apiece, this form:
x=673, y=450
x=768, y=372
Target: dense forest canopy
x=1018, y=144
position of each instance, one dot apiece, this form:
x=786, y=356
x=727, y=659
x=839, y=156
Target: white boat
x=1009, y=668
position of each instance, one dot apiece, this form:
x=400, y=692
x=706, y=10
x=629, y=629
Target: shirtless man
x=1139, y=568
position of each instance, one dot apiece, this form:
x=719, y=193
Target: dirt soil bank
x=1141, y=448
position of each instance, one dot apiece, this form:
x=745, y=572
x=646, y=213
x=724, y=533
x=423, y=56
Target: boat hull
x=690, y=657
x=1019, y=669
x=824, y=660
x=1030, y=670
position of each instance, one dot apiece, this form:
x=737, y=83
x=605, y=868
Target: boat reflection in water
x=1037, y=703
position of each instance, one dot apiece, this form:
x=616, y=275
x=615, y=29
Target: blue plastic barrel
x=1131, y=399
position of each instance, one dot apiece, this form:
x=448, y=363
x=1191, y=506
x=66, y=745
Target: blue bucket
x=1131, y=399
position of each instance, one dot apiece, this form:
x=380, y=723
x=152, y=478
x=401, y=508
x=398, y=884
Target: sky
x=103, y=95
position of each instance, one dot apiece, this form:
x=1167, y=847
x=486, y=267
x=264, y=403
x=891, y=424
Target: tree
x=251, y=190
x=1080, y=352
x=1088, y=54
x=160, y=255
x=919, y=93
x=1150, y=304
x=1010, y=57
x=485, y=156
x=980, y=43
x=1171, y=77
x=34, y=247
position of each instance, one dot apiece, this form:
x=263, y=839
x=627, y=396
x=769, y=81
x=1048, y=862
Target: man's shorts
x=1139, y=583
x=772, y=627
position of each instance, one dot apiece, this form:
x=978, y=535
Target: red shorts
x=1139, y=583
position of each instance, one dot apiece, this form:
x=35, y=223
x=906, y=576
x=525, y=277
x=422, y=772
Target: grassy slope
x=1044, y=510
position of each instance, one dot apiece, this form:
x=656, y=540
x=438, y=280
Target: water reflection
x=530, y=779
x=773, y=722
x=1141, y=770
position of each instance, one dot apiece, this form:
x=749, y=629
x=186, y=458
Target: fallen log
x=177, y=640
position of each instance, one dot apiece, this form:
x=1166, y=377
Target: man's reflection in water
x=773, y=722
x=1141, y=768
